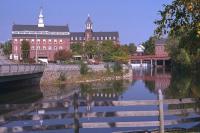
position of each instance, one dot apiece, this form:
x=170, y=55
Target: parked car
x=93, y=62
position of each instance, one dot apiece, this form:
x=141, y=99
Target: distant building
x=160, y=47
x=140, y=50
x=89, y=35
x=44, y=40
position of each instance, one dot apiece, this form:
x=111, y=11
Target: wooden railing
x=17, y=69
x=42, y=107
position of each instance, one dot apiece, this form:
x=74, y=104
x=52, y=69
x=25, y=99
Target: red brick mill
x=45, y=40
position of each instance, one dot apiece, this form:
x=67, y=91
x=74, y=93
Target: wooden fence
x=76, y=115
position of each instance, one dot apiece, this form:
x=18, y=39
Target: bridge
x=18, y=73
x=150, y=59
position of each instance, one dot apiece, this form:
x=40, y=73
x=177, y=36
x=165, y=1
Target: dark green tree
x=120, y=55
x=132, y=48
x=77, y=48
x=149, y=46
x=7, y=48
x=25, y=49
x=62, y=55
x=83, y=68
x=107, y=48
x=180, y=20
x=179, y=17
x=91, y=48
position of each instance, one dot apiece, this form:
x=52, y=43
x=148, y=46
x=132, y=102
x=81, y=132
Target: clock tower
x=88, y=29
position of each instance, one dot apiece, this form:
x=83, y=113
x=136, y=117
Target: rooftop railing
x=18, y=69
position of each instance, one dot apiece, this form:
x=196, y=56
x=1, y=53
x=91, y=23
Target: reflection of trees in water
x=183, y=85
x=180, y=86
x=24, y=95
x=116, y=86
x=195, y=87
x=150, y=85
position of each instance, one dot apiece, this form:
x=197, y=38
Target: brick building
x=160, y=47
x=45, y=40
x=89, y=34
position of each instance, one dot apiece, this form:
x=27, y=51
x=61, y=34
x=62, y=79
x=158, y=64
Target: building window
x=61, y=41
x=101, y=38
x=38, y=41
x=60, y=48
x=32, y=47
x=44, y=41
x=32, y=41
x=106, y=38
x=50, y=41
x=55, y=41
x=76, y=38
x=71, y=38
x=114, y=37
x=110, y=38
x=15, y=48
x=49, y=47
x=38, y=47
x=44, y=47
x=15, y=41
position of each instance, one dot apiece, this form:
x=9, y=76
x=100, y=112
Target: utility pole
x=36, y=54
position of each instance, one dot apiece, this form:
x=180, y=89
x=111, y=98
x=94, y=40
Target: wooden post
x=141, y=63
x=156, y=63
x=161, y=112
x=9, y=68
x=76, y=117
x=163, y=63
x=151, y=63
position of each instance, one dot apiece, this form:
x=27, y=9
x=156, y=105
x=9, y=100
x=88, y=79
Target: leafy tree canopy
x=77, y=48
x=25, y=48
x=149, y=46
x=62, y=55
x=178, y=17
x=7, y=48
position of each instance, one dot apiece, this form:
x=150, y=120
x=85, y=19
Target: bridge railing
x=77, y=114
x=10, y=69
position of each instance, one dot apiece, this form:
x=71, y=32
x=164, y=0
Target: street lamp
x=36, y=54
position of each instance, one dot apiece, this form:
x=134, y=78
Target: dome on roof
x=88, y=21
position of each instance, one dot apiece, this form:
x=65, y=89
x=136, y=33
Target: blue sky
x=133, y=19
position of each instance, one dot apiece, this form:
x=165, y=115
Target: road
x=4, y=60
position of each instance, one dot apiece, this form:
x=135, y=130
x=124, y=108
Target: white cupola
x=41, y=18
x=88, y=23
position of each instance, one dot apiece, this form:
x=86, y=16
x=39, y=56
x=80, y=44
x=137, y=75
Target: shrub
x=83, y=68
x=107, y=68
x=62, y=77
x=117, y=68
x=62, y=55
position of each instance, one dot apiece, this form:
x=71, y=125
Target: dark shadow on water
x=21, y=91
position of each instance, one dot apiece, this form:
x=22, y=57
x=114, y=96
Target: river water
x=143, y=86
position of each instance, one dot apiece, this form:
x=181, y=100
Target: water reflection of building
x=159, y=77
x=99, y=96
